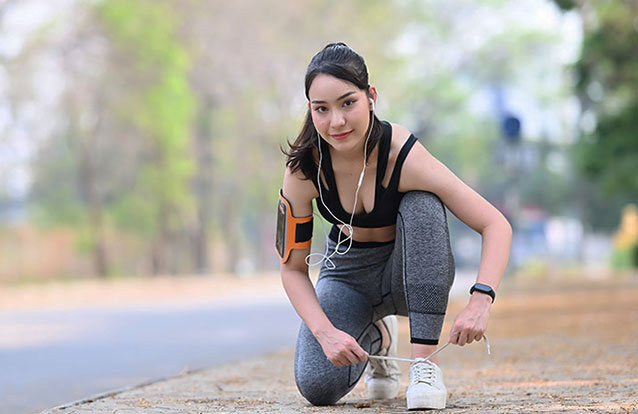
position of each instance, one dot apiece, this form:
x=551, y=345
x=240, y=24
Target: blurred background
x=140, y=141
x=142, y=138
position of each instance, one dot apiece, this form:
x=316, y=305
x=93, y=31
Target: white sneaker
x=383, y=378
x=426, y=389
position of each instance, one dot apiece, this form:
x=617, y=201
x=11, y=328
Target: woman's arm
x=340, y=348
x=422, y=171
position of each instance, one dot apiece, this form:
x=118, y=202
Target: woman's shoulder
x=400, y=135
x=298, y=189
x=399, y=130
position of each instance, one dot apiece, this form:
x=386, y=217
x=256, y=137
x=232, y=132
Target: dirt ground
x=558, y=346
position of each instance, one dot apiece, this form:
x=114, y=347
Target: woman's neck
x=353, y=158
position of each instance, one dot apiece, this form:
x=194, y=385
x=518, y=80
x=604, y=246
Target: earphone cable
x=349, y=238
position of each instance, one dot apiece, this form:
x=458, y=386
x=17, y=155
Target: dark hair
x=338, y=60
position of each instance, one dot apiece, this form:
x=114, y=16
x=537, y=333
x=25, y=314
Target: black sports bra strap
x=396, y=173
x=384, y=152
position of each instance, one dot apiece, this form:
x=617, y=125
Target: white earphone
x=372, y=102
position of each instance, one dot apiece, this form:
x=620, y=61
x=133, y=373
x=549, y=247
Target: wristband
x=484, y=289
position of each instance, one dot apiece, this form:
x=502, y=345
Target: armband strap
x=292, y=232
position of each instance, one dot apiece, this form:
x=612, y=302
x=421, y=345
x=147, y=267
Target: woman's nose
x=337, y=118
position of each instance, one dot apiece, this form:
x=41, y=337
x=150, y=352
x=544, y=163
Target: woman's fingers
x=465, y=335
x=469, y=325
x=351, y=358
x=345, y=359
x=360, y=353
x=454, y=337
x=474, y=335
x=341, y=361
x=459, y=334
x=342, y=349
x=355, y=353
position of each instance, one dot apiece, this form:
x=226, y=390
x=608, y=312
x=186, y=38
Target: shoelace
x=385, y=369
x=388, y=358
x=423, y=372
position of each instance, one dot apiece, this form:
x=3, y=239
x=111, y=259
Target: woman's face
x=340, y=111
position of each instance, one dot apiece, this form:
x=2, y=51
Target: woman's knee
x=423, y=228
x=318, y=389
x=422, y=206
x=422, y=216
x=317, y=379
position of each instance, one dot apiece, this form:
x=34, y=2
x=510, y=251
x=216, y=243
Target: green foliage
x=546, y=189
x=192, y=110
x=625, y=258
x=54, y=193
x=565, y=5
x=145, y=27
x=161, y=106
x=609, y=155
x=133, y=212
x=609, y=51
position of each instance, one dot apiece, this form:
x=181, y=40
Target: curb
x=111, y=393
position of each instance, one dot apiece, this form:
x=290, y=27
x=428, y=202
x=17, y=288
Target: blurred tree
x=168, y=126
x=13, y=93
x=418, y=55
x=78, y=169
x=449, y=66
x=160, y=104
x=250, y=102
x=607, y=85
x=64, y=188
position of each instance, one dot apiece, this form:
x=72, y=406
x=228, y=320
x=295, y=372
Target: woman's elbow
x=498, y=224
x=506, y=230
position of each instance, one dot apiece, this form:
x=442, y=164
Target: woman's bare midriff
x=378, y=234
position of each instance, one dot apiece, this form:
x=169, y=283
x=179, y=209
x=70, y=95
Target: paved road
x=51, y=357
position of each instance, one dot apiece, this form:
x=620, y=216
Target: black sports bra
x=386, y=200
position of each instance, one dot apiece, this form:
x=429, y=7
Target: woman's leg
x=422, y=268
x=318, y=380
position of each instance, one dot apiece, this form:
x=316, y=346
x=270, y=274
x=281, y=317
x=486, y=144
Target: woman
x=388, y=252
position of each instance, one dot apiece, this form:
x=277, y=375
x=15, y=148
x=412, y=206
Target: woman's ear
x=372, y=95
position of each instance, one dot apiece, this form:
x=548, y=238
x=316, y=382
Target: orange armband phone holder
x=292, y=232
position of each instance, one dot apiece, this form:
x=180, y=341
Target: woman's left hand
x=471, y=323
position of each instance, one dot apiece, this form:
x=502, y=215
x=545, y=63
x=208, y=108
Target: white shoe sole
x=382, y=391
x=431, y=401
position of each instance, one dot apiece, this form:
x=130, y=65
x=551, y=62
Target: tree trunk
x=88, y=182
x=203, y=185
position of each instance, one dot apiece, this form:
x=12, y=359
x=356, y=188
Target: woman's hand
x=470, y=324
x=340, y=348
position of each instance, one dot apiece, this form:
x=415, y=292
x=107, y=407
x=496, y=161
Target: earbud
x=372, y=102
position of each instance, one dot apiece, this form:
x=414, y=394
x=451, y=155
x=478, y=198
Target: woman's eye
x=321, y=109
x=349, y=102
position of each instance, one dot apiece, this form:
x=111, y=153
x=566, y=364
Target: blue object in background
x=511, y=129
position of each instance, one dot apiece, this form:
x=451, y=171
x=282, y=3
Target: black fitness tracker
x=485, y=289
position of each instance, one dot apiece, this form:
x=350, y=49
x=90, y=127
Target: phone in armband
x=292, y=232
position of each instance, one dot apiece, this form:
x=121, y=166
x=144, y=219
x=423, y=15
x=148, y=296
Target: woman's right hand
x=340, y=348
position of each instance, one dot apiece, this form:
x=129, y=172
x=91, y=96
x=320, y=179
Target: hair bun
x=336, y=44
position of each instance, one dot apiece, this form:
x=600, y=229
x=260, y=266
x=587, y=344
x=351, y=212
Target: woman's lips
x=341, y=136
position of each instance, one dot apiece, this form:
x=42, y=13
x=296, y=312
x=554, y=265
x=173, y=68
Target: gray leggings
x=410, y=276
